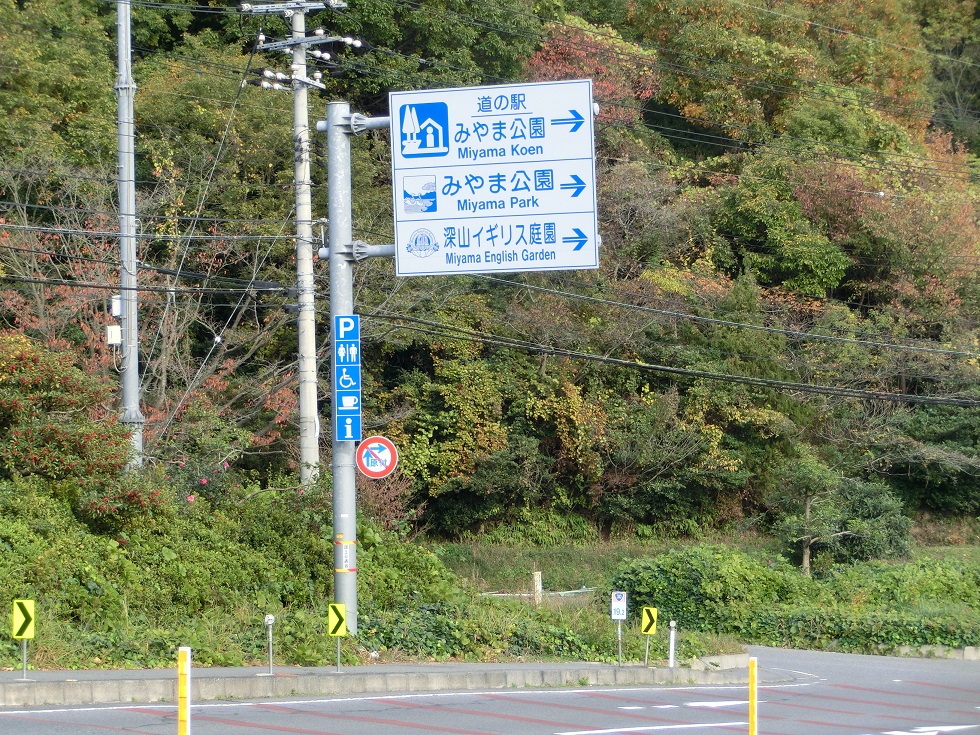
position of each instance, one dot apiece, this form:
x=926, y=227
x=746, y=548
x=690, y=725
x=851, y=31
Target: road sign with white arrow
x=494, y=179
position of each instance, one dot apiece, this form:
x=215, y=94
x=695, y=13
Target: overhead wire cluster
x=363, y=66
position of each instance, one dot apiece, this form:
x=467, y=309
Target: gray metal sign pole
x=343, y=252
x=341, y=304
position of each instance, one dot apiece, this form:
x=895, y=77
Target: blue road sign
x=346, y=341
x=491, y=179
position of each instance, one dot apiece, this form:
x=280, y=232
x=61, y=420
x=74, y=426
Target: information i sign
x=492, y=179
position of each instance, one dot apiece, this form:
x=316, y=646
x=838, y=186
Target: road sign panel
x=22, y=623
x=376, y=457
x=618, y=606
x=490, y=179
x=337, y=619
x=649, y=626
x=347, y=377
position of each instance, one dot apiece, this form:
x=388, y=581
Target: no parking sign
x=376, y=457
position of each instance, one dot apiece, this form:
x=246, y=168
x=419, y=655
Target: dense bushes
x=705, y=587
x=861, y=608
x=205, y=572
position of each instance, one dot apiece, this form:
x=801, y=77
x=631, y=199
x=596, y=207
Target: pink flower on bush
x=190, y=498
x=204, y=481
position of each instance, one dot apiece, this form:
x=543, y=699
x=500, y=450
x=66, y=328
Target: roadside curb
x=209, y=684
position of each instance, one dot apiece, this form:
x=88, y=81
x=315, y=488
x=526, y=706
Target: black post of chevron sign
x=23, y=620
x=649, y=625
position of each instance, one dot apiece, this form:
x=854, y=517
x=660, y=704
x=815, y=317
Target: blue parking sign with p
x=347, y=378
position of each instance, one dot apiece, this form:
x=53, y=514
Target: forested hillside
x=784, y=330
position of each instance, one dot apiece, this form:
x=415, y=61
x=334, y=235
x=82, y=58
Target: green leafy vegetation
x=780, y=347
x=866, y=608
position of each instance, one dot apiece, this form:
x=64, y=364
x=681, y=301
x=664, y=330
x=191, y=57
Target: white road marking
x=736, y=703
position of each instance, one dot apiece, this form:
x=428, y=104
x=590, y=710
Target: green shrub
x=707, y=588
x=867, y=607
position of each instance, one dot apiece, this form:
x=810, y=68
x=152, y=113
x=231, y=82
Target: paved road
x=821, y=694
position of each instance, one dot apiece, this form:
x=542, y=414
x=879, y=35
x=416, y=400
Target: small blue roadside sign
x=347, y=378
x=491, y=179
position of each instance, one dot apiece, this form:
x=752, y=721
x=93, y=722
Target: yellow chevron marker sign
x=337, y=619
x=649, y=626
x=22, y=626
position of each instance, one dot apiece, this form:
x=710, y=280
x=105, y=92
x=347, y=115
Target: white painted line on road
x=655, y=728
x=654, y=706
x=734, y=703
x=794, y=671
x=162, y=706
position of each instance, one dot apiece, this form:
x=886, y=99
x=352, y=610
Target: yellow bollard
x=753, y=697
x=184, y=691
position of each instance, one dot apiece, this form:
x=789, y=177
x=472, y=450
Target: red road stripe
x=258, y=726
x=480, y=713
x=591, y=710
x=902, y=694
x=866, y=728
x=942, y=686
x=607, y=712
x=373, y=720
x=869, y=702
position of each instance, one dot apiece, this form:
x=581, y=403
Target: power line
x=843, y=32
x=726, y=323
x=256, y=287
x=781, y=385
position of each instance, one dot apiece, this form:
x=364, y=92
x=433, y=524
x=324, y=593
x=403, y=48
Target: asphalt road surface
x=820, y=694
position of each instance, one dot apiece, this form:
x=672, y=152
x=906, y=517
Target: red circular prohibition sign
x=376, y=457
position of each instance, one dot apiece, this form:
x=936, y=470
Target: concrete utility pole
x=131, y=417
x=309, y=422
